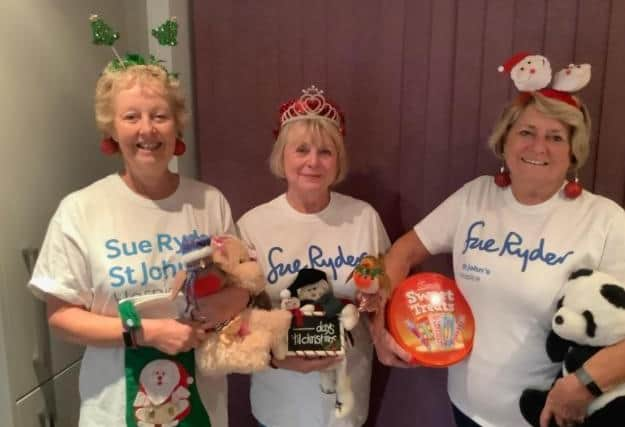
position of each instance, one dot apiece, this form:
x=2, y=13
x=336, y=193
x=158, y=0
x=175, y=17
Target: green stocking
x=161, y=390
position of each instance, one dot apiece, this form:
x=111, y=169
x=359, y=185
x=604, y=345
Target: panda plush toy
x=590, y=315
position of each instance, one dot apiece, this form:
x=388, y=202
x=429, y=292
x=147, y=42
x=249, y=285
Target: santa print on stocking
x=161, y=391
x=160, y=388
x=163, y=396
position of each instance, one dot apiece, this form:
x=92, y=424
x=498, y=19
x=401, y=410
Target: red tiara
x=312, y=104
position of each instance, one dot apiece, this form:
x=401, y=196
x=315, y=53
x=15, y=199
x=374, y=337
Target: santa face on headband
x=531, y=73
x=572, y=78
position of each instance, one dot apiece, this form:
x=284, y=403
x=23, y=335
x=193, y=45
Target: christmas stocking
x=161, y=391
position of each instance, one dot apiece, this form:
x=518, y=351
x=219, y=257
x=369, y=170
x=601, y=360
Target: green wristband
x=130, y=316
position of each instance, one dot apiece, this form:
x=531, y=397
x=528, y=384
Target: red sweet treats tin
x=429, y=317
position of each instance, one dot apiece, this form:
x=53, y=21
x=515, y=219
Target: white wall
x=49, y=67
x=48, y=70
x=49, y=144
x=181, y=62
x=177, y=59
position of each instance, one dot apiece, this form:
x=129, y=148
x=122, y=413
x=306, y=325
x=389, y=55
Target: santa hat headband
x=532, y=74
x=559, y=96
x=311, y=104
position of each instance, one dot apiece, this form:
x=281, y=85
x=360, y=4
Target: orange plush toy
x=372, y=283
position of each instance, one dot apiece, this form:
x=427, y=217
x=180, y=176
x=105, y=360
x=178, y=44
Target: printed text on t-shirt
x=316, y=259
x=140, y=262
x=512, y=245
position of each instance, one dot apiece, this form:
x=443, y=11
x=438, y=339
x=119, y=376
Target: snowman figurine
x=312, y=292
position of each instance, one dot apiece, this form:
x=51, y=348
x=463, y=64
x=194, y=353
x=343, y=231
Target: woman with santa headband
x=515, y=240
x=122, y=236
x=312, y=227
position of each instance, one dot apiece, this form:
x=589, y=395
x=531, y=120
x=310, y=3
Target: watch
x=584, y=377
x=129, y=339
x=131, y=322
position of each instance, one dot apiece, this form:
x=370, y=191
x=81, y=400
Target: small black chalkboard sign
x=318, y=335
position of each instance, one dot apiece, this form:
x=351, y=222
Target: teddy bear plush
x=247, y=342
x=590, y=315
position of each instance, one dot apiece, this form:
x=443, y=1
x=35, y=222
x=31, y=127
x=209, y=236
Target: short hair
x=318, y=127
x=577, y=120
x=111, y=82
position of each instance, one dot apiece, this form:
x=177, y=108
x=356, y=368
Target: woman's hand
x=567, y=402
x=305, y=365
x=223, y=305
x=407, y=251
x=389, y=352
x=171, y=336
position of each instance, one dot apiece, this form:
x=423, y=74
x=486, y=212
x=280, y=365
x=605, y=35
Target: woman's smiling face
x=145, y=128
x=537, y=151
x=310, y=161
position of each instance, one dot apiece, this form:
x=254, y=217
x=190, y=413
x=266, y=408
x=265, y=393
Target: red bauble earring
x=573, y=189
x=109, y=146
x=180, y=147
x=502, y=178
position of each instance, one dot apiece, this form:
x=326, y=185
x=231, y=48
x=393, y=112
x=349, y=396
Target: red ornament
x=573, y=189
x=502, y=178
x=180, y=147
x=109, y=146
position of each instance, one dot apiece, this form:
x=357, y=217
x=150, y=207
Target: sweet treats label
x=430, y=318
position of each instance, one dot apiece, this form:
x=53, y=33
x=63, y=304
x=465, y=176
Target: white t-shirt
x=510, y=262
x=106, y=242
x=333, y=240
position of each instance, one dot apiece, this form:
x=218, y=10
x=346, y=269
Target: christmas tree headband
x=103, y=34
x=532, y=73
x=312, y=104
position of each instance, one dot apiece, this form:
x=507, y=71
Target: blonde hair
x=111, y=82
x=577, y=120
x=318, y=128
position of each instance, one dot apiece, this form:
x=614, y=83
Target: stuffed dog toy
x=247, y=342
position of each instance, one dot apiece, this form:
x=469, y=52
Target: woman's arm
x=568, y=400
x=407, y=252
x=607, y=367
x=75, y=324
